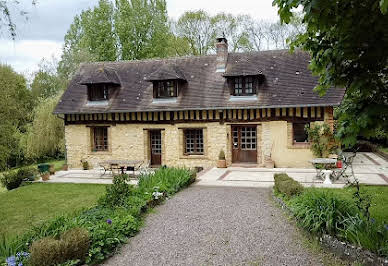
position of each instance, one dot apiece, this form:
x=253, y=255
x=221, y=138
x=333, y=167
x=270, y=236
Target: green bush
x=286, y=185
x=117, y=194
x=321, y=211
x=46, y=252
x=77, y=243
x=11, y=180
x=367, y=234
x=73, y=245
x=167, y=180
x=27, y=173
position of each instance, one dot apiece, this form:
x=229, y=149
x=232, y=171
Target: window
x=299, y=132
x=193, y=141
x=99, y=138
x=167, y=88
x=243, y=86
x=98, y=92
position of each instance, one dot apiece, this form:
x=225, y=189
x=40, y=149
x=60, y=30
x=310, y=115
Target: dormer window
x=243, y=86
x=98, y=92
x=166, y=89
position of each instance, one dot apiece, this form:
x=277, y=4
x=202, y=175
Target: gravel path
x=217, y=226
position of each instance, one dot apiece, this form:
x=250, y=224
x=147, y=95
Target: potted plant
x=85, y=165
x=221, y=163
x=52, y=169
x=45, y=176
x=65, y=167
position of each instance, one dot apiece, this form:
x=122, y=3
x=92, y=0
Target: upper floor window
x=299, y=132
x=243, y=86
x=166, y=88
x=98, y=92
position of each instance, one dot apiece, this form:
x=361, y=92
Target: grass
x=383, y=149
x=379, y=209
x=24, y=207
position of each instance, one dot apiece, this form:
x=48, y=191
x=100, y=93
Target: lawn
x=30, y=205
x=379, y=209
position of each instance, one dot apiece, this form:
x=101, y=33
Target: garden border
x=342, y=249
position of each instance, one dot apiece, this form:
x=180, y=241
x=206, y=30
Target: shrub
x=221, y=156
x=11, y=180
x=47, y=251
x=286, y=185
x=321, y=211
x=85, y=165
x=168, y=180
x=368, y=234
x=27, y=173
x=77, y=243
x=73, y=245
x=117, y=194
x=322, y=140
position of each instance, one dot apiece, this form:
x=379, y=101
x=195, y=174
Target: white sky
x=42, y=35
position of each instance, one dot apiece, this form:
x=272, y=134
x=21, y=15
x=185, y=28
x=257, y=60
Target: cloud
x=24, y=56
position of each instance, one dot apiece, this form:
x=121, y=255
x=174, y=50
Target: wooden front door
x=156, y=147
x=244, y=144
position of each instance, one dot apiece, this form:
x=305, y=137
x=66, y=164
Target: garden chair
x=347, y=162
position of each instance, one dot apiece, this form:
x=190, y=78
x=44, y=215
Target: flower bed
x=117, y=216
x=325, y=213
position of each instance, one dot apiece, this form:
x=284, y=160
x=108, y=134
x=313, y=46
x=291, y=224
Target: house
x=184, y=111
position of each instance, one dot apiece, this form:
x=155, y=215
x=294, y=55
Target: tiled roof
x=167, y=71
x=99, y=74
x=288, y=83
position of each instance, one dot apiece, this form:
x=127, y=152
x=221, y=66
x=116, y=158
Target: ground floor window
x=99, y=138
x=193, y=141
x=299, y=132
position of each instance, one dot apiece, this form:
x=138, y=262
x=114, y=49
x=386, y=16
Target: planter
x=65, y=167
x=221, y=163
x=45, y=176
x=269, y=163
x=52, y=169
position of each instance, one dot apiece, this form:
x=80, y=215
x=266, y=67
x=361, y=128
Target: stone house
x=184, y=111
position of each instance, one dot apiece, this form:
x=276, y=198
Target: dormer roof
x=98, y=75
x=167, y=71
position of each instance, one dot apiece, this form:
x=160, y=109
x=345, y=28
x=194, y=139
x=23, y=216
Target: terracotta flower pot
x=52, y=170
x=221, y=163
x=65, y=167
x=46, y=176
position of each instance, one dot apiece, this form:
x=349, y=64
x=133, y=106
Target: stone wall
x=131, y=142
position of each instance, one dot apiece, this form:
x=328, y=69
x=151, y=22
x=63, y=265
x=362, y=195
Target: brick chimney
x=222, y=53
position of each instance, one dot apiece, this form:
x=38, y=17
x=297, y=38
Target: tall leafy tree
x=46, y=82
x=142, y=28
x=14, y=115
x=197, y=29
x=348, y=44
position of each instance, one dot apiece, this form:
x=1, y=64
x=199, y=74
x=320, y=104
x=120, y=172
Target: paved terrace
x=369, y=168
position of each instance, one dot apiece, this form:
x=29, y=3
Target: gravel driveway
x=217, y=226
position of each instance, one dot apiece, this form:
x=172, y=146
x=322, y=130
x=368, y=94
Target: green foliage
x=27, y=173
x=367, y=234
x=347, y=41
x=167, y=180
x=117, y=194
x=11, y=180
x=221, y=155
x=322, y=212
x=14, y=115
x=286, y=185
x=72, y=245
x=45, y=136
x=85, y=165
x=322, y=140
x=108, y=225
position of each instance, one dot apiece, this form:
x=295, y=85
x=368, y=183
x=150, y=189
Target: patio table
x=324, y=172
x=122, y=164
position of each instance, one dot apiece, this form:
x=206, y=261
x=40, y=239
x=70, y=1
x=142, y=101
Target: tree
x=45, y=136
x=347, y=41
x=14, y=115
x=6, y=16
x=46, y=82
x=197, y=29
x=142, y=28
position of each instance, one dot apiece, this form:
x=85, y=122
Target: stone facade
x=131, y=142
